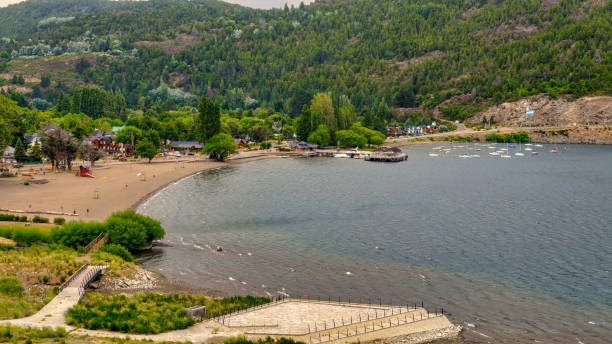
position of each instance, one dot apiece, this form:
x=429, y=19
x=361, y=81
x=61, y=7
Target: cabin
x=186, y=146
x=302, y=146
x=241, y=143
x=107, y=144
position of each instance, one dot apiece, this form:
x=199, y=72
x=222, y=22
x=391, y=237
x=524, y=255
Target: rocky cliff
x=562, y=111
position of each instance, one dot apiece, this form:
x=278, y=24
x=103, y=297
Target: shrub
x=38, y=219
x=26, y=183
x=76, y=234
x=59, y=221
x=22, y=218
x=24, y=236
x=10, y=286
x=133, y=231
x=118, y=250
x=139, y=313
x=7, y=217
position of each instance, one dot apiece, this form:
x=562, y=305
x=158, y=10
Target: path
x=53, y=314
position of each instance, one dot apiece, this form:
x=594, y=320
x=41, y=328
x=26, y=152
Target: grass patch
x=15, y=303
x=25, y=235
x=149, y=313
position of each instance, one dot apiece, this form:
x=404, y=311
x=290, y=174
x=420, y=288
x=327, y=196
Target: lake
x=516, y=250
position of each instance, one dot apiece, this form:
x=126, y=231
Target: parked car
x=122, y=158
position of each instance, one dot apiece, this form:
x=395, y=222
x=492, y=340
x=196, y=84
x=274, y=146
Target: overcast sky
x=250, y=3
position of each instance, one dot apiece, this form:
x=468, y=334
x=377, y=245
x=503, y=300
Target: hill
x=451, y=58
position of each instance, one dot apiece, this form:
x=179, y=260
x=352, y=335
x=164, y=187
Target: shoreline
x=116, y=186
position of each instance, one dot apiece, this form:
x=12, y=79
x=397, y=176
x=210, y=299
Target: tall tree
x=322, y=110
x=20, y=151
x=208, y=121
x=303, y=124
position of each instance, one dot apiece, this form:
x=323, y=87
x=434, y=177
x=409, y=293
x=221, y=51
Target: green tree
x=220, y=146
x=35, y=153
x=349, y=138
x=146, y=149
x=63, y=103
x=20, y=151
x=208, y=121
x=320, y=137
x=322, y=111
x=303, y=124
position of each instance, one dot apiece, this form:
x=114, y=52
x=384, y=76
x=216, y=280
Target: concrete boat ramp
x=309, y=321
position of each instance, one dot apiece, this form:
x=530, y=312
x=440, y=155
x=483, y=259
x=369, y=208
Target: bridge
x=54, y=313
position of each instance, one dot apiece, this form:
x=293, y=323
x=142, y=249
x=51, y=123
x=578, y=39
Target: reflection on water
x=519, y=248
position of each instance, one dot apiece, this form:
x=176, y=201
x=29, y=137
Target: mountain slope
x=456, y=56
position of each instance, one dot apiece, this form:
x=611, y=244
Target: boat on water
x=553, y=151
x=519, y=154
x=433, y=154
x=474, y=156
x=505, y=156
x=539, y=146
x=534, y=153
x=494, y=153
x=464, y=156
x=528, y=144
x=528, y=149
x=341, y=155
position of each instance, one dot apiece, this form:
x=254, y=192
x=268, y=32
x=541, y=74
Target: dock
x=387, y=157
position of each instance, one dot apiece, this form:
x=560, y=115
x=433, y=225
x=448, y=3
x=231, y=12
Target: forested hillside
x=457, y=56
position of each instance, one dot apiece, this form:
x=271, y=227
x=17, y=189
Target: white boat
x=492, y=147
x=341, y=155
x=464, y=156
x=493, y=153
x=529, y=149
x=474, y=156
x=506, y=156
x=539, y=146
x=520, y=152
x=433, y=154
x=528, y=144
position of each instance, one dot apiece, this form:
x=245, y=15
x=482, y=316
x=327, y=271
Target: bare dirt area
x=563, y=111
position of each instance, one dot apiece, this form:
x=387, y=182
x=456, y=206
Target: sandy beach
x=116, y=186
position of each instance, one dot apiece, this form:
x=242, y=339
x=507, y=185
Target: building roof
x=303, y=145
x=187, y=144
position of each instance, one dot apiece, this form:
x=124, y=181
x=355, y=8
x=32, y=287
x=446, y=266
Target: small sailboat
x=505, y=153
x=539, y=146
x=528, y=149
x=493, y=153
x=554, y=150
x=519, y=153
x=433, y=154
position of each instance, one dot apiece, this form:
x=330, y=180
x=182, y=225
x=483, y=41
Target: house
x=241, y=143
x=107, y=144
x=302, y=146
x=31, y=139
x=9, y=154
x=186, y=145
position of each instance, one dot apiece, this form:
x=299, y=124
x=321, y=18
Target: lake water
x=516, y=250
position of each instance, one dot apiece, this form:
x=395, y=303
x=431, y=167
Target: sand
x=116, y=186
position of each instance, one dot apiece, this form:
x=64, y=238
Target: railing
x=383, y=326
x=389, y=313
x=90, y=276
x=73, y=276
x=96, y=243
